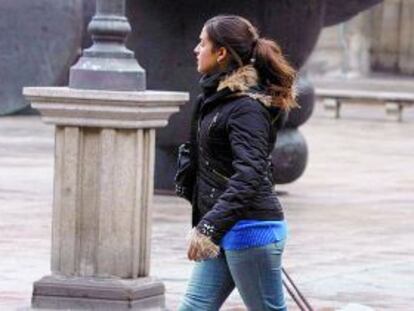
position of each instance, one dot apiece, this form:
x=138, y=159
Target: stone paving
x=350, y=215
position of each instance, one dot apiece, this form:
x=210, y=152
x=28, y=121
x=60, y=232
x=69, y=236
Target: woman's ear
x=222, y=55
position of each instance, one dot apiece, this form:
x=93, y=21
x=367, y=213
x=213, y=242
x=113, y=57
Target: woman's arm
x=248, y=128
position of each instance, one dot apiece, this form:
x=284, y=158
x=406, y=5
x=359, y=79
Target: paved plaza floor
x=351, y=215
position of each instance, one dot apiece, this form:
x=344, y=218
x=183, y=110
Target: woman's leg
x=209, y=286
x=257, y=273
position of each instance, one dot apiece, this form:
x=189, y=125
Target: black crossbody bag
x=185, y=176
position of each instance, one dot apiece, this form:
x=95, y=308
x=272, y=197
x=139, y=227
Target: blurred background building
x=378, y=42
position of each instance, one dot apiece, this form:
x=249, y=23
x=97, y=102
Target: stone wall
x=380, y=40
x=392, y=48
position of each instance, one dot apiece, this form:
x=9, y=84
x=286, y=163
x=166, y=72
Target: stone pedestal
x=103, y=187
x=93, y=293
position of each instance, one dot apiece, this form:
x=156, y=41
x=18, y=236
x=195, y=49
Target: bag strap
x=195, y=114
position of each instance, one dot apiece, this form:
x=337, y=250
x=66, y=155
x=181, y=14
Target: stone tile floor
x=351, y=215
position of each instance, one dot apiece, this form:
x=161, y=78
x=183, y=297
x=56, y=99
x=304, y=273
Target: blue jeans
x=256, y=272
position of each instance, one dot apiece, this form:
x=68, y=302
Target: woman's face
x=208, y=60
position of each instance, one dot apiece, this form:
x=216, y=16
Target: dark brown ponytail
x=275, y=72
x=241, y=39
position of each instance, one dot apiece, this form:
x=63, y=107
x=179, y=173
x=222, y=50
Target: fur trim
x=241, y=80
x=264, y=99
x=206, y=247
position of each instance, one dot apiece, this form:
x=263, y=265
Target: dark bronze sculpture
x=165, y=33
x=163, y=36
x=39, y=42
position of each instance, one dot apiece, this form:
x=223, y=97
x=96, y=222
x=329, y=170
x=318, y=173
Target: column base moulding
x=93, y=293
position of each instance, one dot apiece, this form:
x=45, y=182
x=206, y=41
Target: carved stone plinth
x=103, y=187
x=62, y=292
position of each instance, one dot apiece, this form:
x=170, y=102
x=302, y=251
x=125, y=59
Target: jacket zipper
x=220, y=175
x=215, y=172
x=213, y=122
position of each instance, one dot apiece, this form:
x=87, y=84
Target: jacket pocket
x=208, y=200
x=215, y=178
x=208, y=195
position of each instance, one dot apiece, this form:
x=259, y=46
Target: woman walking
x=239, y=231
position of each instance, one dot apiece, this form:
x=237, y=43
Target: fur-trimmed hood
x=241, y=81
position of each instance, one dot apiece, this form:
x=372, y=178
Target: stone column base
x=83, y=293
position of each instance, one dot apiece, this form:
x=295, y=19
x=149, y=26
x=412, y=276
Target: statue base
x=92, y=293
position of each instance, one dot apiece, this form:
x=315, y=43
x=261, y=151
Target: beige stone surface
x=350, y=215
x=378, y=40
x=393, y=36
x=103, y=186
x=343, y=50
x=103, y=176
x=108, y=109
x=102, y=202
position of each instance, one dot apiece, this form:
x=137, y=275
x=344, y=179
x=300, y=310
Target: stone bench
x=394, y=101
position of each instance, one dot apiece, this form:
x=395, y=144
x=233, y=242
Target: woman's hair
x=244, y=45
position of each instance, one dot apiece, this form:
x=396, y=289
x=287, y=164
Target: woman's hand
x=200, y=246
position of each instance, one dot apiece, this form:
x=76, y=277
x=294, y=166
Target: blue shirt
x=254, y=233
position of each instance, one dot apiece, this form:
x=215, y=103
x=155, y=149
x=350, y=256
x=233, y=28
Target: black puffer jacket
x=235, y=137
